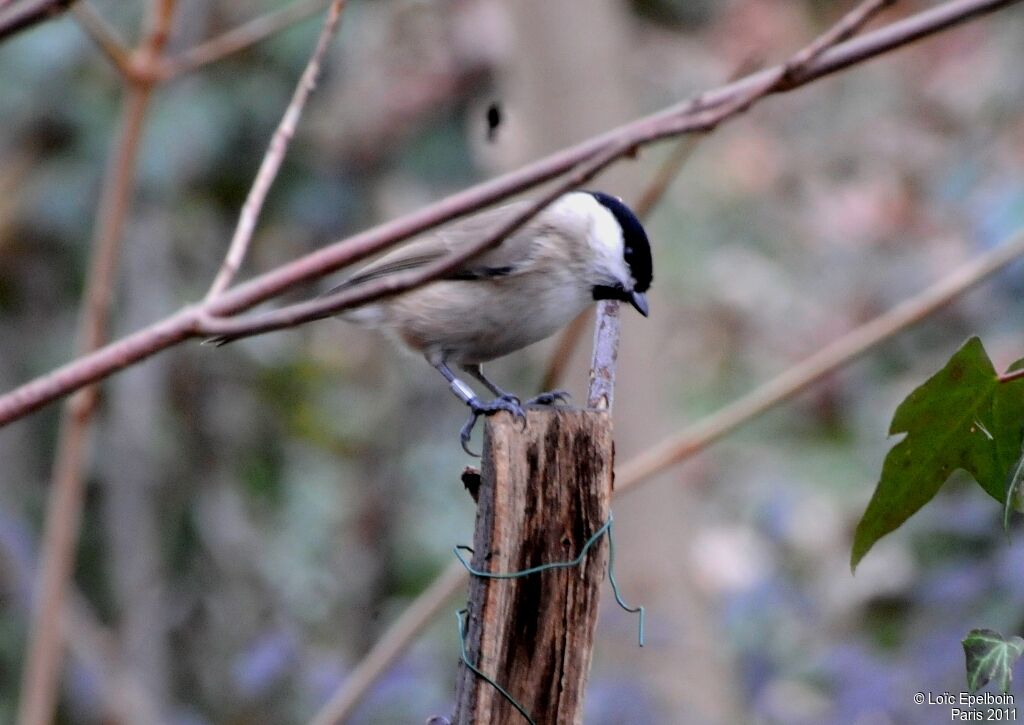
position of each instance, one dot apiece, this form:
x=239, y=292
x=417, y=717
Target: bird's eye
x=628, y=251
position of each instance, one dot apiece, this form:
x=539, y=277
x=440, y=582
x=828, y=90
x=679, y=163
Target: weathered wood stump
x=544, y=493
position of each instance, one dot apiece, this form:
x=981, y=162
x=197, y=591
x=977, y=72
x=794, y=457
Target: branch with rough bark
x=210, y=318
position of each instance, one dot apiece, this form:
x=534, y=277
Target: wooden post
x=544, y=493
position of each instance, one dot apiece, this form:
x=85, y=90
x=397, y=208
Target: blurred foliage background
x=257, y=514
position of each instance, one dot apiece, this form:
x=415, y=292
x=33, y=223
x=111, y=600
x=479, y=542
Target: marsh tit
x=585, y=246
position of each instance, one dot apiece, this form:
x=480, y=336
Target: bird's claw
x=509, y=398
x=508, y=403
x=553, y=397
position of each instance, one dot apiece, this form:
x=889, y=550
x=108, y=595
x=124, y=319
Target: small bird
x=584, y=246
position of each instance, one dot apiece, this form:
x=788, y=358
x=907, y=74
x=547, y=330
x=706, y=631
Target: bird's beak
x=639, y=301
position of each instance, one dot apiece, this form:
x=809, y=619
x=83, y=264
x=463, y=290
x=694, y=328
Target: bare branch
x=89, y=642
x=392, y=643
x=701, y=114
x=104, y=36
x=843, y=351
x=566, y=344
x=602, y=375
x=242, y=37
x=60, y=535
x=695, y=438
x=329, y=259
x=274, y=156
x=317, y=309
x=1011, y=376
x=25, y=14
x=775, y=80
x=848, y=26
x=606, y=329
x=185, y=324
x=63, y=514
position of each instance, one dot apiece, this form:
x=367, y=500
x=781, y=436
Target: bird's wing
x=505, y=259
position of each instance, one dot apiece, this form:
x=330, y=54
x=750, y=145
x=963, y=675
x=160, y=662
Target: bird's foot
x=508, y=403
x=509, y=398
x=553, y=397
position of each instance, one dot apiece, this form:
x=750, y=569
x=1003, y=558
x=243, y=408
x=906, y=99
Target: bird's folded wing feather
x=507, y=258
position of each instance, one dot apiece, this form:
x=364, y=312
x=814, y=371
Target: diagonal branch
x=104, y=36
x=227, y=330
x=644, y=130
x=240, y=38
x=19, y=16
x=187, y=322
x=607, y=325
x=395, y=639
x=615, y=149
x=1011, y=376
x=826, y=361
x=275, y=156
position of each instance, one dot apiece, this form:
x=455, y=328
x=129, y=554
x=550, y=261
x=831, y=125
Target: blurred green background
x=257, y=514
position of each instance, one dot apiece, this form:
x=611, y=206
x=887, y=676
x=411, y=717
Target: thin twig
x=822, y=363
x=391, y=644
x=240, y=38
x=63, y=515
x=274, y=156
x=848, y=26
x=1011, y=376
x=25, y=14
x=698, y=436
x=184, y=324
x=104, y=36
x=566, y=344
x=776, y=80
x=89, y=642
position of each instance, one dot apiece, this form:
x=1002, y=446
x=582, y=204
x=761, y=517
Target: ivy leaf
x=960, y=418
x=990, y=657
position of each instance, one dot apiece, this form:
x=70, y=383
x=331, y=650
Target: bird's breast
x=477, y=321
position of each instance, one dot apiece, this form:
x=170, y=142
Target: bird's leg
x=477, y=407
x=478, y=372
x=551, y=398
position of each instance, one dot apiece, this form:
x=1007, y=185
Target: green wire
x=462, y=613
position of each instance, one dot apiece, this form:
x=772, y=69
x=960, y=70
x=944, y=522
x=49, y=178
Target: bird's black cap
x=637, y=251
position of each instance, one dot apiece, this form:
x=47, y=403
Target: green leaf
x=990, y=657
x=960, y=418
